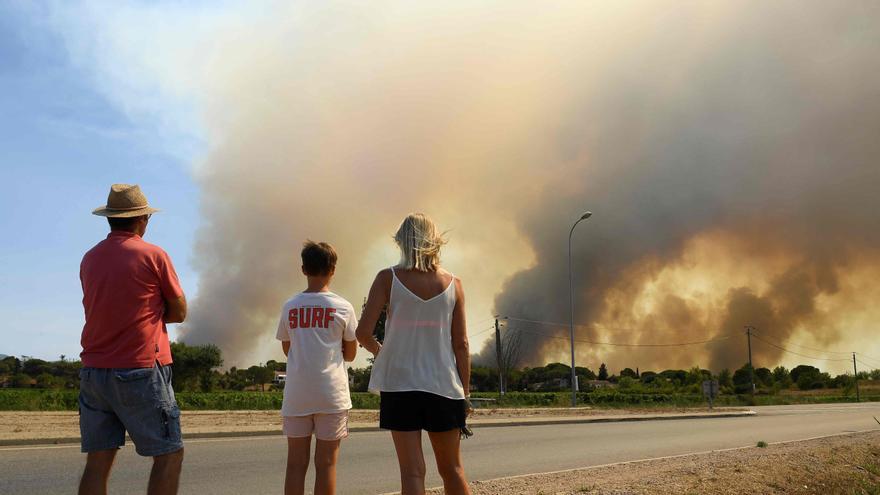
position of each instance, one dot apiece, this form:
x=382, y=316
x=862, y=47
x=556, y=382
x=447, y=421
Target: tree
x=725, y=379
x=764, y=377
x=379, y=331
x=261, y=375
x=583, y=374
x=628, y=372
x=781, y=377
x=603, y=372
x=742, y=379
x=20, y=380
x=10, y=365
x=800, y=369
x=677, y=377
x=275, y=365
x=360, y=378
x=46, y=380
x=810, y=379
x=511, y=351
x=695, y=376
x=36, y=367
x=193, y=361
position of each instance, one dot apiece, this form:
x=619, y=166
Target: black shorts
x=412, y=411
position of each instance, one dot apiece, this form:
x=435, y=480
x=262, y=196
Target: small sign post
x=710, y=390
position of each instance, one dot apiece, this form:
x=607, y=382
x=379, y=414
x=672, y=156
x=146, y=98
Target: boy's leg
x=330, y=429
x=326, y=455
x=97, y=472
x=297, y=465
x=411, y=459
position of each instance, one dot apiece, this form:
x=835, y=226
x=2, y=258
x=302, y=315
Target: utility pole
x=751, y=368
x=498, y=358
x=856, y=378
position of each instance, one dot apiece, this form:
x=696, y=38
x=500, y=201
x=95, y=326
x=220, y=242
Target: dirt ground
x=16, y=425
x=847, y=464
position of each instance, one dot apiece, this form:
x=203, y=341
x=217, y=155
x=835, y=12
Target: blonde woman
x=422, y=372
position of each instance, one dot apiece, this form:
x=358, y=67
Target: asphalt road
x=368, y=465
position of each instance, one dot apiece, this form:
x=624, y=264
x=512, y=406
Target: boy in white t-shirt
x=317, y=333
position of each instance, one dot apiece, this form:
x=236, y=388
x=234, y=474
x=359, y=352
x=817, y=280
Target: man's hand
x=175, y=310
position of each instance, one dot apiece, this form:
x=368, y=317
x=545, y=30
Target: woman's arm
x=376, y=300
x=460, y=346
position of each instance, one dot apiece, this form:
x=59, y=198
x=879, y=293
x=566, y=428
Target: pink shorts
x=325, y=426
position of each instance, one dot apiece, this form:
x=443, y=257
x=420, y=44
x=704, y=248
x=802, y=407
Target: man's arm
x=175, y=310
x=285, y=346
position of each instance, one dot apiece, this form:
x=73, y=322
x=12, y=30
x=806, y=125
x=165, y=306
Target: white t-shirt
x=316, y=323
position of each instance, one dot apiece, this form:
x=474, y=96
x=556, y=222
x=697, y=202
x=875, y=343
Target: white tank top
x=417, y=353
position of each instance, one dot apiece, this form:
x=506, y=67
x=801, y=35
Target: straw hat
x=125, y=200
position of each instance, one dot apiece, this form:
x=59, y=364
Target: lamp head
x=586, y=215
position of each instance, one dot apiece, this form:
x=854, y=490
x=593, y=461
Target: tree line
x=197, y=368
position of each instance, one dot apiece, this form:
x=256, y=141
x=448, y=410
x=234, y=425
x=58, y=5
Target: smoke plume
x=729, y=153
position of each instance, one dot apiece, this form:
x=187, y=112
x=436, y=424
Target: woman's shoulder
x=446, y=275
x=384, y=276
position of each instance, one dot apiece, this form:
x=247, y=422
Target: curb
x=361, y=429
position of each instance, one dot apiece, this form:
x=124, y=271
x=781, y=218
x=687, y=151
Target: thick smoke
x=743, y=133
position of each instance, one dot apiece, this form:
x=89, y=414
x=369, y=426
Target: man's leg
x=298, y=449
x=97, y=472
x=101, y=431
x=165, y=475
x=326, y=455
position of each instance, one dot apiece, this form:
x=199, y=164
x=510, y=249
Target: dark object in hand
x=466, y=432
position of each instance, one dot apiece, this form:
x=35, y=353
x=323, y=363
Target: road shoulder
x=845, y=463
x=41, y=428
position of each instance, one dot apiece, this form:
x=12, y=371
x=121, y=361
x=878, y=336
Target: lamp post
x=574, y=386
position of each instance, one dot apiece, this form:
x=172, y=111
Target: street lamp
x=574, y=386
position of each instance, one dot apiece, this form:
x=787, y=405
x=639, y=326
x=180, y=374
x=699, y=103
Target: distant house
x=594, y=384
x=279, y=378
x=552, y=384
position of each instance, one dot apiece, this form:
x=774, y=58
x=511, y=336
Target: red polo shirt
x=125, y=283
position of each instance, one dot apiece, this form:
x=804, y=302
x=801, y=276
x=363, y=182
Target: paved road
x=368, y=465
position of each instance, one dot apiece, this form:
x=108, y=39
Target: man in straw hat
x=130, y=291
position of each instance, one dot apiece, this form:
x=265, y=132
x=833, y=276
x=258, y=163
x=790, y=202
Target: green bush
x=38, y=400
x=33, y=399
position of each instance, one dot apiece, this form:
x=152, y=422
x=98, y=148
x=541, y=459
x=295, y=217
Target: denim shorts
x=137, y=400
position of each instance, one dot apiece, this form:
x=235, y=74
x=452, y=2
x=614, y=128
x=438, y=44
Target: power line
x=618, y=344
x=797, y=353
x=866, y=364
x=810, y=348
x=483, y=320
x=565, y=325
x=859, y=354
x=681, y=344
x=481, y=331
x=562, y=325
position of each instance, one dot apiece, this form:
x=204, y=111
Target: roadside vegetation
x=37, y=385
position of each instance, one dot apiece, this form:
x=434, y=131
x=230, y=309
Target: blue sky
x=62, y=143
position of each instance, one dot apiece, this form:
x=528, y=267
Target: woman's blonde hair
x=419, y=242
